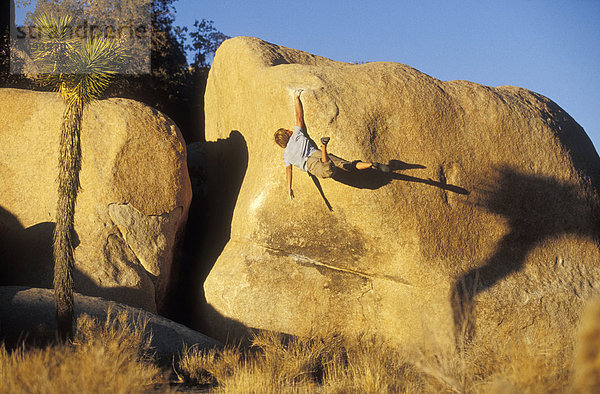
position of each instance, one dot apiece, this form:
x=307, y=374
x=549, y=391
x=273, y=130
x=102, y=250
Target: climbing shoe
x=325, y=140
x=381, y=167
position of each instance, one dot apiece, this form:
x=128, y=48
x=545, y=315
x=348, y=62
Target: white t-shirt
x=298, y=149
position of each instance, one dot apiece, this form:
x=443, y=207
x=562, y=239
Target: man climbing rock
x=301, y=152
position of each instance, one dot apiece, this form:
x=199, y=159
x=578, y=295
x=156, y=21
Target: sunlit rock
x=489, y=222
x=131, y=209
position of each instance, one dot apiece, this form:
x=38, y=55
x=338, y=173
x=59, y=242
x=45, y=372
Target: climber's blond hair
x=282, y=137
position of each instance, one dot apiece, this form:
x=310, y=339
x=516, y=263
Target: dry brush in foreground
x=364, y=364
x=116, y=357
x=110, y=357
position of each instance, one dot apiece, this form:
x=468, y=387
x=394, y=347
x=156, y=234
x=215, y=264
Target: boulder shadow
x=536, y=208
x=122, y=294
x=28, y=318
x=226, y=330
x=26, y=254
x=217, y=170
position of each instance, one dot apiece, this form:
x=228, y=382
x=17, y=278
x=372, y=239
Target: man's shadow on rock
x=536, y=208
x=372, y=179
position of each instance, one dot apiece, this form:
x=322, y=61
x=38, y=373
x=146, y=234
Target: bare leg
x=324, y=156
x=363, y=165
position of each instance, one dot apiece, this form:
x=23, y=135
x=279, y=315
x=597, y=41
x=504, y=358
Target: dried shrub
x=114, y=357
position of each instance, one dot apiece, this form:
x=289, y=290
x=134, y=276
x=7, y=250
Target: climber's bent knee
x=316, y=167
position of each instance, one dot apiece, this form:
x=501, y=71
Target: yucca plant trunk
x=69, y=162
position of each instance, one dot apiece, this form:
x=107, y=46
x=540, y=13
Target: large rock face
x=131, y=209
x=489, y=221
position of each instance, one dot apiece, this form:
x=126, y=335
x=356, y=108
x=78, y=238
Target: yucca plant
x=79, y=70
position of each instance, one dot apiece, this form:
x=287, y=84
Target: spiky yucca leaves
x=80, y=70
x=93, y=65
x=50, y=51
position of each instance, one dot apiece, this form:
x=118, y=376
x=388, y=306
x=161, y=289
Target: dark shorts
x=316, y=167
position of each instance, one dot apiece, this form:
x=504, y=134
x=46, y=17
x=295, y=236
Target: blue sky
x=550, y=47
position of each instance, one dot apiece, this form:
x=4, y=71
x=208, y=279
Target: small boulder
x=29, y=313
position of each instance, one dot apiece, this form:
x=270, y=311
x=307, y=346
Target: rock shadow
x=26, y=254
x=26, y=259
x=28, y=319
x=373, y=179
x=217, y=170
x=226, y=330
x=122, y=294
x=536, y=208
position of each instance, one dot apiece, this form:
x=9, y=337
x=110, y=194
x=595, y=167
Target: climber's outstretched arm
x=299, y=110
x=288, y=175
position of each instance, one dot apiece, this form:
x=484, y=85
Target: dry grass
x=507, y=365
x=587, y=353
x=328, y=363
x=113, y=357
x=366, y=364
